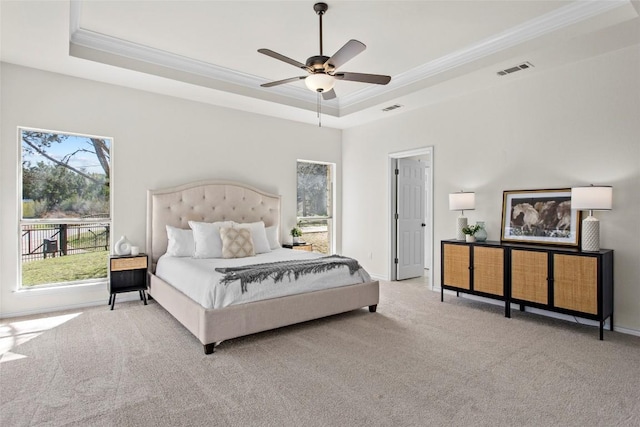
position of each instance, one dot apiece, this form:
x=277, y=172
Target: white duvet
x=198, y=279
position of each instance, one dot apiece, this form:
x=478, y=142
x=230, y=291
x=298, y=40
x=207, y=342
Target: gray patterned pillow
x=236, y=242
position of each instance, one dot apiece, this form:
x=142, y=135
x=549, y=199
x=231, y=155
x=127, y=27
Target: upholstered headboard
x=205, y=201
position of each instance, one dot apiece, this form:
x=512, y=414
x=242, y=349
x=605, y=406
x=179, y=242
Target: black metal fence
x=49, y=240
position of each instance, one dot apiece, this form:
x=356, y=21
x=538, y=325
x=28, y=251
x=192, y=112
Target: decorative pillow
x=272, y=237
x=236, y=242
x=258, y=234
x=206, y=236
x=180, y=242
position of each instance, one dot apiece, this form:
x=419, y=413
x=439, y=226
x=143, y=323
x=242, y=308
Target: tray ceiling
x=207, y=50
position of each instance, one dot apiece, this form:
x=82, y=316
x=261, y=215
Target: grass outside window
x=62, y=269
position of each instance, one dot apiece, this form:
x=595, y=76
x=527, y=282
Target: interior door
x=427, y=220
x=410, y=218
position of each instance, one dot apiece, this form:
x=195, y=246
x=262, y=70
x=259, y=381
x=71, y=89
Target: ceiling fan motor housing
x=316, y=63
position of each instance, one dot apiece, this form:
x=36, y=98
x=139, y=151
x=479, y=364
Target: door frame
x=393, y=244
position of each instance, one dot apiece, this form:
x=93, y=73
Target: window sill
x=61, y=289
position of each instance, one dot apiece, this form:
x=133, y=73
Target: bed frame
x=211, y=201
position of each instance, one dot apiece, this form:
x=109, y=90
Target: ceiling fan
x=323, y=69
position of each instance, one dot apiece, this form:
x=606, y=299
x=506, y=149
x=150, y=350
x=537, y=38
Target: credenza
x=558, y=279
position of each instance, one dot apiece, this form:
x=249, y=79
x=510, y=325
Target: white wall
x=159, y=141
x=574, y=125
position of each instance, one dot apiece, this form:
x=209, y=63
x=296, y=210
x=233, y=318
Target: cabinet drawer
x=120, y=264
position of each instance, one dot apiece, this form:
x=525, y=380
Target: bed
x=213, y=201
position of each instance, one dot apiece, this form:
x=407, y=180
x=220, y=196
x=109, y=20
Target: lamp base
x=462, y=223
x=590, y=234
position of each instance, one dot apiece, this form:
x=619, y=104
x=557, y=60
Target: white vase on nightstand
x=122, y=246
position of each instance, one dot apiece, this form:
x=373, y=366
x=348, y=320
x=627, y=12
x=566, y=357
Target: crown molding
x=570, y=14
x=529, y=30
x=127, y=49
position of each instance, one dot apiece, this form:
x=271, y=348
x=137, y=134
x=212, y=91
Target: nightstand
x=299, y=246
x=127, y=273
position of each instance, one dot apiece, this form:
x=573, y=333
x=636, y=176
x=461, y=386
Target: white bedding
x=198, y=279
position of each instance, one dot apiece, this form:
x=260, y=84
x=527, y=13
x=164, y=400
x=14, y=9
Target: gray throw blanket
x=278, y=270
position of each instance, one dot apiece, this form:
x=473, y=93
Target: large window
x=315, y=204
x=66, y=216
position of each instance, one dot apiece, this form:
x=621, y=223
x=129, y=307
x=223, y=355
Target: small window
x=66, y=208
x=315, y=205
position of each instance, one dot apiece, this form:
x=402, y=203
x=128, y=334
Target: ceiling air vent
x=392, y=107
x=520, y=67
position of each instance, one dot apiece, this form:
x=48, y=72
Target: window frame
x=331, y=219
x=21, y=221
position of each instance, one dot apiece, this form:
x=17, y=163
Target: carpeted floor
x=416, y=362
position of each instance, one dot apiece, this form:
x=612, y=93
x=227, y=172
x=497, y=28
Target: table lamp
x=460, y=202
x=592, y=198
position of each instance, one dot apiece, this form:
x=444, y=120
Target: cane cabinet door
x=456, y=266
x=529, y=276
x=575, y=284
x=488, y=270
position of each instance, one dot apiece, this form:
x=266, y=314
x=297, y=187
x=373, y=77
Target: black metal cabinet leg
x=140, y=293
x=611, y=322
x=113, y=301
x=144, y=294
x=110, y=296
x=601, y=330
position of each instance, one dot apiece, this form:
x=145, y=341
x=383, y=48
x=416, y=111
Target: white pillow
x=206, y=236
x=272, y=237
x=180, y=242
x=258, y=234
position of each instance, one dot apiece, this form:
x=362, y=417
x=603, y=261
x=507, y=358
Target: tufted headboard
x=206, y=201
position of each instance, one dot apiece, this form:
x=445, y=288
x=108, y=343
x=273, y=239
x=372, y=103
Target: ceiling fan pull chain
x=319, y=110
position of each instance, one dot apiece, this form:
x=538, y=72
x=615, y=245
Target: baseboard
x=377, y=277
x=130, y=296
x=552, y=314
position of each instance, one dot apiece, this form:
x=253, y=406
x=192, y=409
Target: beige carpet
x=417, y=362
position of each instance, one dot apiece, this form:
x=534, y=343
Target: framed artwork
x=540, y=216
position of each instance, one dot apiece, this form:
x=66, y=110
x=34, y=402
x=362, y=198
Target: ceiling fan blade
x=346, y=53
x=283, y=58
x=329, y=95
x=364, y=78
x=281, y=82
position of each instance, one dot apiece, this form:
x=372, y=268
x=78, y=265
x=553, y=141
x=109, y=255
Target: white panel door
x=427, y=219
x=410, y=219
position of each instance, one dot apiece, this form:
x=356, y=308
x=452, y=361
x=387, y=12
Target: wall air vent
x=392, y=107
x=520, y=67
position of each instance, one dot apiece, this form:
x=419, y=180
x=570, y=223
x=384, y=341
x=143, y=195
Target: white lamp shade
x=592, y=198
x=462, y=201
x=320, y=82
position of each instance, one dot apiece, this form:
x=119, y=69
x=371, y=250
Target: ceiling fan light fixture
x=320, y=82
